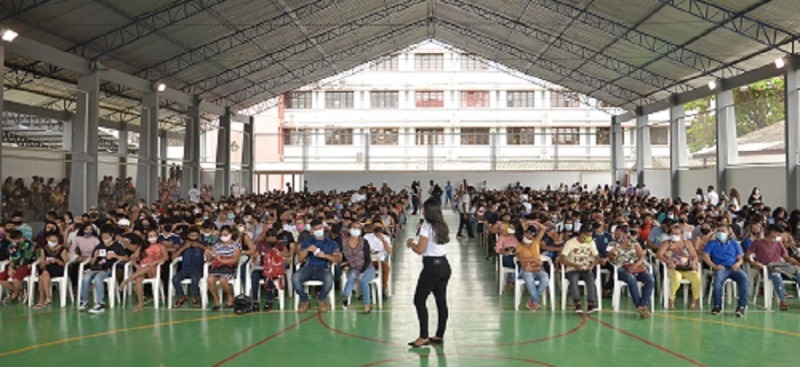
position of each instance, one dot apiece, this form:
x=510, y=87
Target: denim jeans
x=96, y=277
x=739, y=277
x=588, y=277
x=366, y=277
x=307, y=273
x=777, y=281
x=194, y=289
x=535, y=290
x=639, y=299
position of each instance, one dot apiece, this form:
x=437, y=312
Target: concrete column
x=617, y=153
x=191, y=151
x=643, y=155
x=248, y=162
x=726, y=137
x=222, y=176
x=792, y=132
x=83, y=171
x=677, y=147
x=147, y=170
x=2, y=89
x=122, y=151
x=162, y=153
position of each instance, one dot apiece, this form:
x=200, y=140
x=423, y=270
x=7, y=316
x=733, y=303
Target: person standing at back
x=435, y=275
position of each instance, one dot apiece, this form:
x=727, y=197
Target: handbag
x=634, y=268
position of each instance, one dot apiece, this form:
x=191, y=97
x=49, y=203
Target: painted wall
x=26, y=163
x=690, y=180
x=771, y=180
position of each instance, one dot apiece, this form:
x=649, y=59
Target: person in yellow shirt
x=530, y=259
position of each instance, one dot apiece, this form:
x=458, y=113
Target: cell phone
x=101, y=253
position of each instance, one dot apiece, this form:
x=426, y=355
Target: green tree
x=757, y=106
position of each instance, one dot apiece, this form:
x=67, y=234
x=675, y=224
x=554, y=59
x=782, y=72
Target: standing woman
x=433, y=235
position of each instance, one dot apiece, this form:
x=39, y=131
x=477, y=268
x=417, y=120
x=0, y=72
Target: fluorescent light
x=9, y=35
x=780, y=63
x=712, y=85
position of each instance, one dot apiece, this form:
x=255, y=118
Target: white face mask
x=320, y=233
x=240, y=228
x=527, y=241
x=676, y=238
x=225, y=238
x=778, y=239
x=511, y=230
x=152, y=239
x=52, y=244
x=355, y=232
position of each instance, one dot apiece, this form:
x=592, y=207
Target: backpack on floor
x=242, y=304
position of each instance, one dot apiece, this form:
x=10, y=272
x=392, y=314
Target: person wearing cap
x=530, y=260
x=580, y=256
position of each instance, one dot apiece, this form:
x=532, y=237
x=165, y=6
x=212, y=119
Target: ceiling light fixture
x=780, y=63
x=712, y=85
x=9, y=35
x=160, y=87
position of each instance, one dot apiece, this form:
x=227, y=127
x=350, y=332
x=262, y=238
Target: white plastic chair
x=502, y=274
x=236, y=284
x=111, y=282
x=685, y=283
x=618, y=288
x=565, y=287
x=519, y=285
x=375, y=285
x=173, y=270
x=315, y=283
x=61, y=283
x=3, y=265
x=281, y=292
x=729, y=283
x=154, y=282
x=761, y=279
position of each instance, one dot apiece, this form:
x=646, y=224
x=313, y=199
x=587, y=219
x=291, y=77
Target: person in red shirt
x=771, y=253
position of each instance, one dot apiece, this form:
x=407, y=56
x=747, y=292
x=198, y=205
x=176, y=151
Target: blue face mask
x=722, y=236
x=231, y=216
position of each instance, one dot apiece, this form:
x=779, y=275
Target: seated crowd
x=316, y=236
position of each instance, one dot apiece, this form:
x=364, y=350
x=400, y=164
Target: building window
x=384, y=99
x=474, y=136
x=472, y=63
x=338, y=99
x=430, y=136
x=520, y=99
x=293, y=136
x=298, y=99
x=338, y=136
x=602, y=135
x=566, y=136
x=429, y=99
x=563, y=99
x=475, y=99
x=659, y=135
x=383, y=136
x=390, y=63
x=520, y=136
x=429, y=62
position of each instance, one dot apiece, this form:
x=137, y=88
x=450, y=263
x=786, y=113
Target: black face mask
x=705, y=230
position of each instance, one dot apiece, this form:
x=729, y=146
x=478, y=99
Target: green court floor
x=484, y=330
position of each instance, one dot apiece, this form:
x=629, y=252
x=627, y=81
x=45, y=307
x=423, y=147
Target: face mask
x=511, y=231
x=225, y=238
x=355, y=232
x=87, y=234
x=568, y=226
x=722, y=236
x=778, y=238
x=240, y=228
x=51, y=244
x=206, y=234
x=287, y=227
x=300, y=227
x=527, y=241
x=675, y=238
x=152, y=239
x=320, y=233
x=687, y=236
x=308, y=227
x=705, y=230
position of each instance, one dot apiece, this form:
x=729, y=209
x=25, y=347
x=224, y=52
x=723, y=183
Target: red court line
x=337, y=331
x=476, y=356
x=645, y=341
x=262, y=341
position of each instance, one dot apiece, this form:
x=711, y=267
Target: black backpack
x=242, y=304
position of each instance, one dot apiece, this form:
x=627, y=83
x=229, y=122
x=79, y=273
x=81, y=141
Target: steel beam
x=261, y=63
x=15, y=8
x=738, y=22
x=676, y=53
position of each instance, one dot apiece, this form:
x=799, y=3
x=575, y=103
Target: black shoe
x=591, y=308
x=716, y=310
x=215, y=308
x=254, y=308
x=740, y=312
x=436, y=341
x=268, y=306
x=344, y=302
x=413, y=344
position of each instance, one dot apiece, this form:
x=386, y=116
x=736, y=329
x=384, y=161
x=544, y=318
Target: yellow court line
x=726, y=323
x=109, y=332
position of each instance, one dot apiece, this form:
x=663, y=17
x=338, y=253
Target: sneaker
x=82, y=307
x=345, y=303
x=98, y=308
x=578, y=308
x=323, y=307
x=268, y=306
x=784, y=306
x=303, y=307
x=740, y=311
x=591, y=308
x=716, y=310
